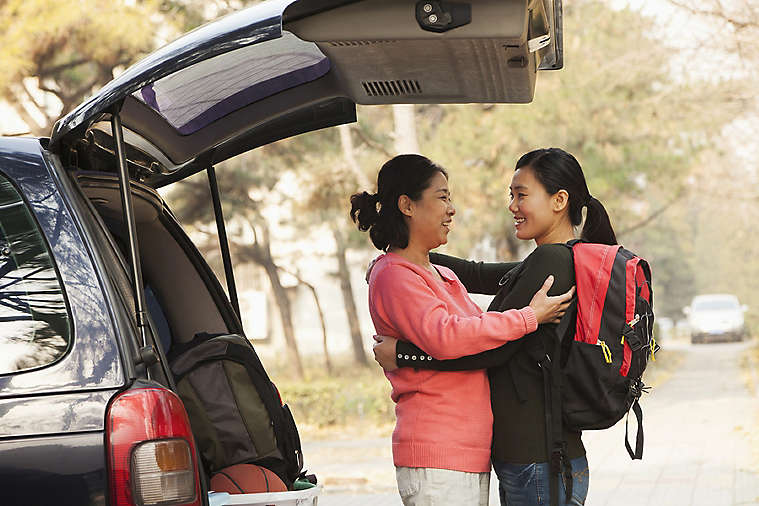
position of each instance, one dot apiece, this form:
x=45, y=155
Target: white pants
x=424, y=486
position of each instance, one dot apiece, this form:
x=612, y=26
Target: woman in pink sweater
x=443, y=433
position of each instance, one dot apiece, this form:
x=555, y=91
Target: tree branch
x=312, y=288
x=372, y=143
x=719, y=14
x=27, y=118
x=651, y=217
x=56, y=69
x=41, y=109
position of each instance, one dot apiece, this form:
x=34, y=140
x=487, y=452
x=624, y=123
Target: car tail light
x=151, y=453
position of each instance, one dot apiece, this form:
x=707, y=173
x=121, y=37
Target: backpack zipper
x=606, y=350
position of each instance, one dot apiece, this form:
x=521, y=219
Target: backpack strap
x=556, y=446
x=638, y=453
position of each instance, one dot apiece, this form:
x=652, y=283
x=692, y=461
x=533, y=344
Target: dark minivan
x=98, y=279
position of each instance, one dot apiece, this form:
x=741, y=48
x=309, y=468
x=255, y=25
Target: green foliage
x=721, y=222
x=71, y=48
x=355, y=395
x=638, y=129
x=616, y=106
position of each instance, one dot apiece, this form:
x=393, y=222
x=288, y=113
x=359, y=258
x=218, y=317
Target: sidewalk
x=698, y=448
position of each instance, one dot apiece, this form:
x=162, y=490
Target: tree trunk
x=327, y=361
x=32, y=125
x=507, y=247
x=350, y=303
x=285, y=313
x=346, y=141
x=312, y=288
x=260, y=253
x=405, y=129
x=340, y=253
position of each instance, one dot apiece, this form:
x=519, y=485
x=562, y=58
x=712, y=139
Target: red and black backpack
x=604, y=343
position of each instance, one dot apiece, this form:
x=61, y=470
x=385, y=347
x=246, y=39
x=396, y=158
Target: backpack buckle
x=632, y=338
x=561, y=466
x=638, y=388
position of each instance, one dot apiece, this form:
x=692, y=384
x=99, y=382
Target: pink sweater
x=443, y=419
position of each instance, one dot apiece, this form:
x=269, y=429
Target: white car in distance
x=716, y=317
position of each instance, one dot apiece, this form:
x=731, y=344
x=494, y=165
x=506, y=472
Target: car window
x=34, y=319
x=196, y=96
x=715, y=304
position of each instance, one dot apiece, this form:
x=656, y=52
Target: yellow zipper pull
x=653, y=347
x=623, y=339
x=606, y=350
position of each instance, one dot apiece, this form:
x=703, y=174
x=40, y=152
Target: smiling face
x=537, y=214
x=430, y=218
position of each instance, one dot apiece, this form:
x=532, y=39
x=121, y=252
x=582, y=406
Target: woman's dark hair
x=378, y=213
x=558, y=170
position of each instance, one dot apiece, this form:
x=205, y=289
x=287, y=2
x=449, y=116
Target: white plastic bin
x=307, y=497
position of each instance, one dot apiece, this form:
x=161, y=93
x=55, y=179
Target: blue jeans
x=528, y=484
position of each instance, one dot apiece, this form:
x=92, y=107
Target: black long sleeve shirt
x=516, y=381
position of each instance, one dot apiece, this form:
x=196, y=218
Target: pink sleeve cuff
x=530, y=321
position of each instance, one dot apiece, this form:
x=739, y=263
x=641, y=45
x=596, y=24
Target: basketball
x=246, y=479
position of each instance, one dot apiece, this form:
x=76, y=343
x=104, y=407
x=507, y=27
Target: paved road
x=702, y=446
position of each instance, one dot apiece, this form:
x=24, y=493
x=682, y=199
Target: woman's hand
x=384, y=352
x=550, y=309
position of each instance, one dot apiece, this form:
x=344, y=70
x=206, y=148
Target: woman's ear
x=560, y=200
x=405, y=205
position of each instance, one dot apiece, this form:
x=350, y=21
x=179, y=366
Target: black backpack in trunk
x=235, y=410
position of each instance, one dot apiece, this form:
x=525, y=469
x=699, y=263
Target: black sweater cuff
x=408, y=355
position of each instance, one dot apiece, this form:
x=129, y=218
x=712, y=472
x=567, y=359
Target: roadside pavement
x=698, y=439
x=701, y=446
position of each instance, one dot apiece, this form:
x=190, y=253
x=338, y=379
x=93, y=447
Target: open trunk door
x=285, y=67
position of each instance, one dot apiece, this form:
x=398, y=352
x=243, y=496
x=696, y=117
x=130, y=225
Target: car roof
x=285, y=67
x=715, y=296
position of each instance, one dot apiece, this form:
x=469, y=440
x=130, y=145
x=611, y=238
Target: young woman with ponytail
x=441, y=442
x=548, y=193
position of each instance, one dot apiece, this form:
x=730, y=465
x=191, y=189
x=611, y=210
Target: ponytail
x=364, y=213
x=364, y=210
x=597, y=226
